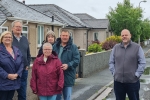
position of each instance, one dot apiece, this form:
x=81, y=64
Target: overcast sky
x=95, y=8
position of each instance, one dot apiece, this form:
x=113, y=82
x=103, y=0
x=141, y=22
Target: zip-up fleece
x=127, y=64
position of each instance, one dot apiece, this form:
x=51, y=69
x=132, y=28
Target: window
x=40, y=35
x=95, y=36
x=2, y=29
x=25, y=31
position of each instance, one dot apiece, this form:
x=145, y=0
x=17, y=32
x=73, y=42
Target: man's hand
x=27, y=67
x=34, y=92
x=64, y=66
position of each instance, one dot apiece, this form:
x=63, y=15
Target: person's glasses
x=7, y=37
x=18, y=26
x=47, y=49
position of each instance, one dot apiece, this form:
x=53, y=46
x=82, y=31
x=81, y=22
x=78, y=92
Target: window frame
x=25, y=32
x=41, y=40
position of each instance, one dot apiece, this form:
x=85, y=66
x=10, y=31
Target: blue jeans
x=23, y=88
x=67, y=91
x=131, y=89
x=7, y=95
x=48, y=97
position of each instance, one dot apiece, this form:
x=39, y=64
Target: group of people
x=53, y=70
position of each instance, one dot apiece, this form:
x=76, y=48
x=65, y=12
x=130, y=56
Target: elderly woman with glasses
x=11, y=66
x=47, y=76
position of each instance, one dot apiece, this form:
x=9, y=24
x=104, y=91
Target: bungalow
x=35, y=23
x=83, y=28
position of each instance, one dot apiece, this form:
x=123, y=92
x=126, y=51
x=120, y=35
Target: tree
x=125, y=16
x=145, y=30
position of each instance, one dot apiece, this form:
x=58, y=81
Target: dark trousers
x=7, y=95
x=131, y=89
x=23, y=88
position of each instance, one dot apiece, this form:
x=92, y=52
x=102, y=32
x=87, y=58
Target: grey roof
x=84, y=16
x=20, y=10
x=75, y=20
x=60, y=14
x=97, y=23
x=92, y=22
x=3, y=14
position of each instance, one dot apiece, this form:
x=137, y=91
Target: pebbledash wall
x=91, y=63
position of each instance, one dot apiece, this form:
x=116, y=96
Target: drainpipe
x=52, y=21
x=87, y=38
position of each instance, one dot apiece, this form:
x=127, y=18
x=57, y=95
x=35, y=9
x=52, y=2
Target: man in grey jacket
x=127, y=63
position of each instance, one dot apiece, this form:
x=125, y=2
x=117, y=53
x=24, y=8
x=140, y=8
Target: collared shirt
x=18, y=38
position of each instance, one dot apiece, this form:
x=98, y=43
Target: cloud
x=98, y=8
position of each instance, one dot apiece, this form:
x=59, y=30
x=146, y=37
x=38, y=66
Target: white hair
x=47, y=44
x=16, y=22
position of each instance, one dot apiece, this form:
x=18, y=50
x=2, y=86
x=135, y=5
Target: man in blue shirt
x=127, y=63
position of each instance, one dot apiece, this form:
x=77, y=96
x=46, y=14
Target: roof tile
x=20, y=10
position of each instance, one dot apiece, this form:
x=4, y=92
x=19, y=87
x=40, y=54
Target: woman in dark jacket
x=47, y=76
x=50, y=37
x=11, y=66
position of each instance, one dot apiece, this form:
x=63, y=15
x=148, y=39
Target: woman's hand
x=12, y=76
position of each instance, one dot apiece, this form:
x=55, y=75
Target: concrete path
x=85, y=87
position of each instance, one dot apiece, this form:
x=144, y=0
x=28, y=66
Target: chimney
x=52, y=18
x=23, y=1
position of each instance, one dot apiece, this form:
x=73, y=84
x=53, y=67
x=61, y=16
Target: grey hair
x=16, y=22
x=47, y=44
x=65, y=30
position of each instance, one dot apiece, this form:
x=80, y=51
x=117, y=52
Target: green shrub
x=95, y=48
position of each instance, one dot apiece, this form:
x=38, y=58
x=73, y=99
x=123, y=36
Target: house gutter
x=26, y=23
x=51, y=23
